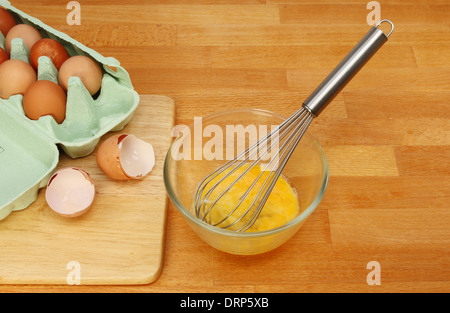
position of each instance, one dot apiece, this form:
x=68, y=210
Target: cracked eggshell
x=124, y=157
x=70, y=192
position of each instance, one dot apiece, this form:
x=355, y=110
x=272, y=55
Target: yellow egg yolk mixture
x=281, y=206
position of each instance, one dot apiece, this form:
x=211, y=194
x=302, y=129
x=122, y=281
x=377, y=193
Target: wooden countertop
x=386, y=136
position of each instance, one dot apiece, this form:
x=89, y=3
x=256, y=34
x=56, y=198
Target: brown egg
x=50, y=48
x=45, y=97
x=86, y=69
x=7, y=21
x=3, y=56
x=28, y=33
x=15, y=77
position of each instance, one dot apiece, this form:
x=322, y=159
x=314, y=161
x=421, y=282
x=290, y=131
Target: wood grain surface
x=386, y=136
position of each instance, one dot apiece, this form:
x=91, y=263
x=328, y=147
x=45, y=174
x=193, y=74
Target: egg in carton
x=28, y=148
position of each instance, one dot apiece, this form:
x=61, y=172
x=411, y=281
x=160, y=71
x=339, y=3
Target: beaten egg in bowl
x=281, y=206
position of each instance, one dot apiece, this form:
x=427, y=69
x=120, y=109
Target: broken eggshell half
x=124, y=157
x=70, y=192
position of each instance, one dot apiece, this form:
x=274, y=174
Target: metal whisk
x=280, y=143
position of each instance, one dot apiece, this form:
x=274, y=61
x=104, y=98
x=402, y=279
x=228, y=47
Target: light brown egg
x=85, y=68
x=45, y=97
x=15, y=77
x=28, y=33
x=124, y=157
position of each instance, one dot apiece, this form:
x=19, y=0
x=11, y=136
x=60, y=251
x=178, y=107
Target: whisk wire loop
x=199, y=204
x=293, y=128
x=293, y=141
x=271, y=177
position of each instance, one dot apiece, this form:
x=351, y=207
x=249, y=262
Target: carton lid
x=27, y=159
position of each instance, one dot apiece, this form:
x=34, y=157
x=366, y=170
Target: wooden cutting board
x=120, y=240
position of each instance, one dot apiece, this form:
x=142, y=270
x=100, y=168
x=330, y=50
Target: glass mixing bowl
x=210, y=142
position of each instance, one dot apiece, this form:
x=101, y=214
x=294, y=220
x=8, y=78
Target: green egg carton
x=29, y=148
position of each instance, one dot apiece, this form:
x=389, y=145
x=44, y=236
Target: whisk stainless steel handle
x=286, y=138
x=348, y=67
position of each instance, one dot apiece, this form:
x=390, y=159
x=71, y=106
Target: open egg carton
x=28, y=148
